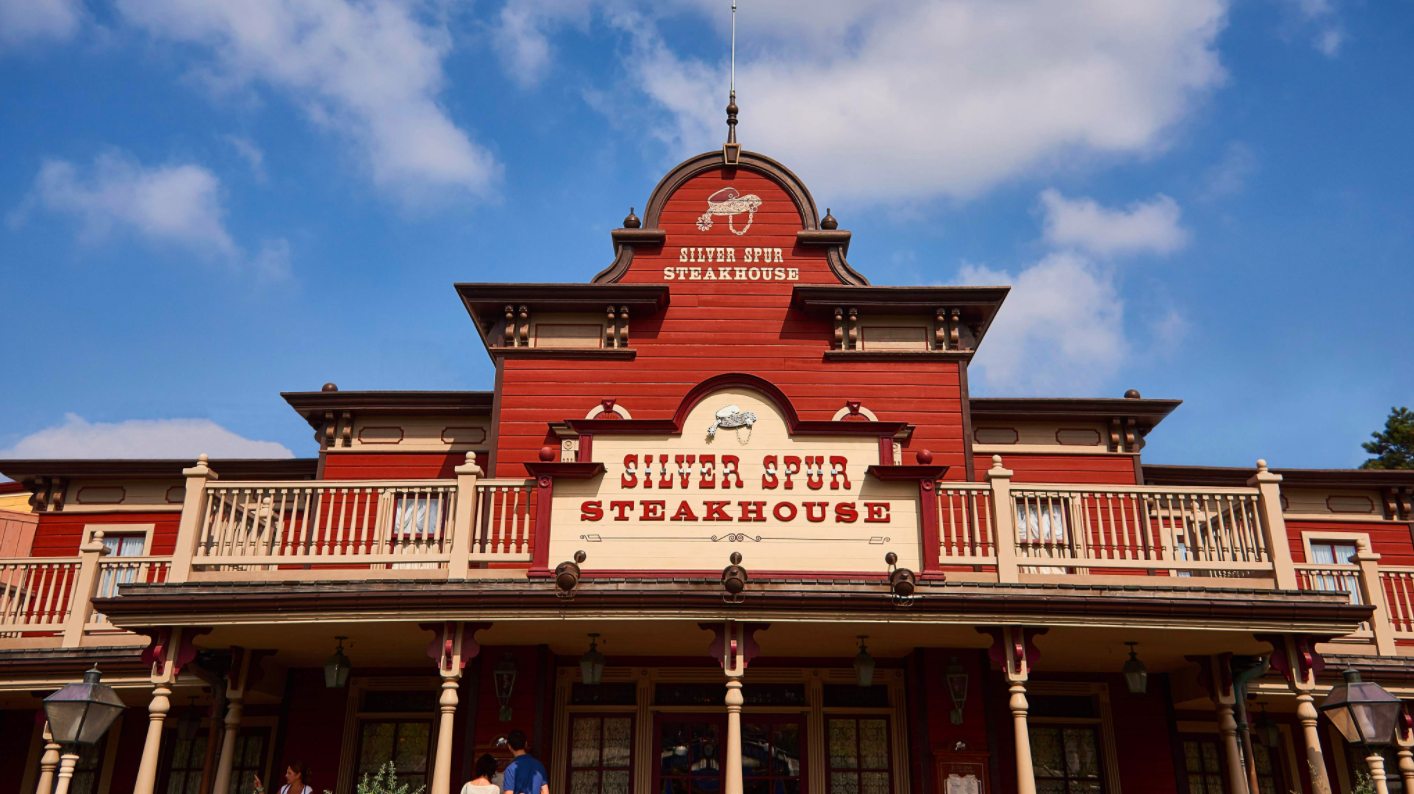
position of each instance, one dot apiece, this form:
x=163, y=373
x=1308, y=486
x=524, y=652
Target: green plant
x=1364, y=784
x=385, y=782
x=1394, y=448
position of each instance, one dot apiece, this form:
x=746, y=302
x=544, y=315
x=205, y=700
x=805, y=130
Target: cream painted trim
x=1101, y=693
x=843, y=412
x=1353, y=518
x=1049, y=449
x=1340, y=537
x=599, y=409
x=146, y=530
x=153, y=508
x=110, y=755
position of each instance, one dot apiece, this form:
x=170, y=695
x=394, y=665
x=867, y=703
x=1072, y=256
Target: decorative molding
x=853, y=408
x=376, y=431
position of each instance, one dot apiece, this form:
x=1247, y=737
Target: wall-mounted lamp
x=567, y=575
x=902, y=582
x=591, y=664
x=337, y=667
x=957, y=687
x=1136, y=675
x=734, y=580
x=505, y=679
x=864, y=663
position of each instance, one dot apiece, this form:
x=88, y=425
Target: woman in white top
x=296, y=780
x=485, y=773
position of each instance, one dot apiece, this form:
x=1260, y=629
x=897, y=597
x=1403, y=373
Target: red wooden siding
x=59, y=534
x=1391, y=541
x=717, y=327
x=1098, y=469
x=395, y=465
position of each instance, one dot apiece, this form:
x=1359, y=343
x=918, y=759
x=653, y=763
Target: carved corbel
x=734, y=644
x=57, y=488
x=510, y=329
x=611, y=336
x=853, y=329
x=954, y=334
x=1013, y=649
x=347, y=433
x=623, y=326
x=523, y=337
x=839, y=328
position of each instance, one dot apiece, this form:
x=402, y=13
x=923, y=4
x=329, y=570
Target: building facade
x=728, y=521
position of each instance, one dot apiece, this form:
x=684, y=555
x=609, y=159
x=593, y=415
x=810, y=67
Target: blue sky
x=203, y=204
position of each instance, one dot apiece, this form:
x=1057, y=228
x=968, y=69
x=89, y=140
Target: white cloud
x=249, y=152
x=141, y=438
x=369, y=71
x=1229, y=176
x=1060, y=332
x=176, y=206
x=172, y=204
x=28, y=20
x=900, y=99
x=1143, y=227
x=1324, y=16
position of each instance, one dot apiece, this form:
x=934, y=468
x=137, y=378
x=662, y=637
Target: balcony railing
x=470, y=526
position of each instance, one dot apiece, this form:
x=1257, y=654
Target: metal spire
x=732, y=148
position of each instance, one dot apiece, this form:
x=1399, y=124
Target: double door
x=691, y=751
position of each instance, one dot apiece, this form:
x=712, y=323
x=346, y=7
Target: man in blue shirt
x=525, y=775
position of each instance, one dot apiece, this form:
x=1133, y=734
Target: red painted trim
x=756, y=576
x=895, y=473
x=886, y=450
x=568, y=471
x=544, y=493
x=928, y=535
x=586, y=447
x=794, y=424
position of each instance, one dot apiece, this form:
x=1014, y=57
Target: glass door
x=689, y=749
x=773, y=754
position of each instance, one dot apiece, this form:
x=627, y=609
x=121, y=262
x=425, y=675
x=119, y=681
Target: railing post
x=464, y=520
x=1268, y=486
x=1372, y=591
x=81, y=599
x=193, y=516
x=1003, y=521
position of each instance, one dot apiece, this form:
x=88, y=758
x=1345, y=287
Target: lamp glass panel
x=65, y=719
x=100, y=718
x=864, y=669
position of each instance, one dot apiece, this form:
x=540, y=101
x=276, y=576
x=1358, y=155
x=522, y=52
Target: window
x=601, y=754
x=1328, y=552
x=771, y=759
x=689, y=757
x=119, y=545
x=1269, y=772
x=187, y=758
x=1203, y=762
x=406, y=743
x=859, y=760
x=1041, y=530
x=1066, y=759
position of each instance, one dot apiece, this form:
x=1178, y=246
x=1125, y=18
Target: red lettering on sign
x=792, y=467
x=652, y=509
x=730, y=466
x=684, y=513
x=815, y=471
x=769, y=480
x=685, y=472
x=846, y=513
x=810, y=513
x=838, y=465
x=621, y=507
x=667, y=481
x=876, y=512
x=648, y=471
x=629, y=478
x=709, y=472
x=715, y=511
x=776, y=511
x=752, y=511
x=591, y=511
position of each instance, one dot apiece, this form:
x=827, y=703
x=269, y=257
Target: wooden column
x=1404, y=738
x=1274, y=526
x=1377, y=772
x=1294, y=655
x=1373, y=593
x=1014, y=648
x=1003, y=522
x=69, y=760
x=454, y=644
x=734, y=703
x=48, y=763
x=152, y=747
x=90, y=554
x=169, y=650
x=464, y=519
x=733, y=646
x=193, y=517
x=245, y=671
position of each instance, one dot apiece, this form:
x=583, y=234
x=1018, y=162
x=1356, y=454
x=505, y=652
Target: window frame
x=888, y=746
x=570, y=768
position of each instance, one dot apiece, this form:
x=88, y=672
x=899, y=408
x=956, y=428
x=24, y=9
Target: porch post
x=152, y=748
x=81, y=607
x=193, y=517
x=734, y=646
x=237, y=680
x=1295, y=657
x=1018, y=671
x=48, y=762
x=69, y=760
x=464, y=519
x=1404, y=738
x=454, y=645
x=1223, y=692
x=1373, y=593
x=1268, y=486
x=1004, y=523
x=1377, y=772
x=170, y=649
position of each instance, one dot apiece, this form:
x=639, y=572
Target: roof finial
x=731, y=151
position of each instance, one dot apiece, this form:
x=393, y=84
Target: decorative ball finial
x=996, y=461
x=736, y=558
x=202, y=459
x=329, y=387
x=1132, y=394
x=731, y=117
x=1261, y=464
x=828, y=222
x=547, y=453
x=632, y=221
x=925, y=457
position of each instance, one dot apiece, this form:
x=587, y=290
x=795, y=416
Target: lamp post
x=80, y=714
x=1365, y=714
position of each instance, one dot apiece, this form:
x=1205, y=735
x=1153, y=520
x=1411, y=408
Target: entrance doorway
x=691, y=754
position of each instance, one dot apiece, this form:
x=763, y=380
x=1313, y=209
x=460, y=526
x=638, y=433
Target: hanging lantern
x=190, y=723
x=505, y=678
x=591, y=664
x=957, y=687
x=337, y=667
x=1364, y=713
x=82, y=713
x=1136, y=675
x=864, y=663
x=1266, y=730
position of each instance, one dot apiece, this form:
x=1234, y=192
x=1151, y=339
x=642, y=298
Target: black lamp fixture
x=1136, y=675
x=1266, y=731
x=505, y=678
x=82, y=713
x=591, y=664
x=337, y=667
x=734, y=580
x=1363, y=712
x=864, y=663
x=957, y=686
x=190, y=723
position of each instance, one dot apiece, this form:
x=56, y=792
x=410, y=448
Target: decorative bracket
x=1295, y=657
x=1014, y=649
x=453, y=645
x=169, y=649
x=734, y=644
